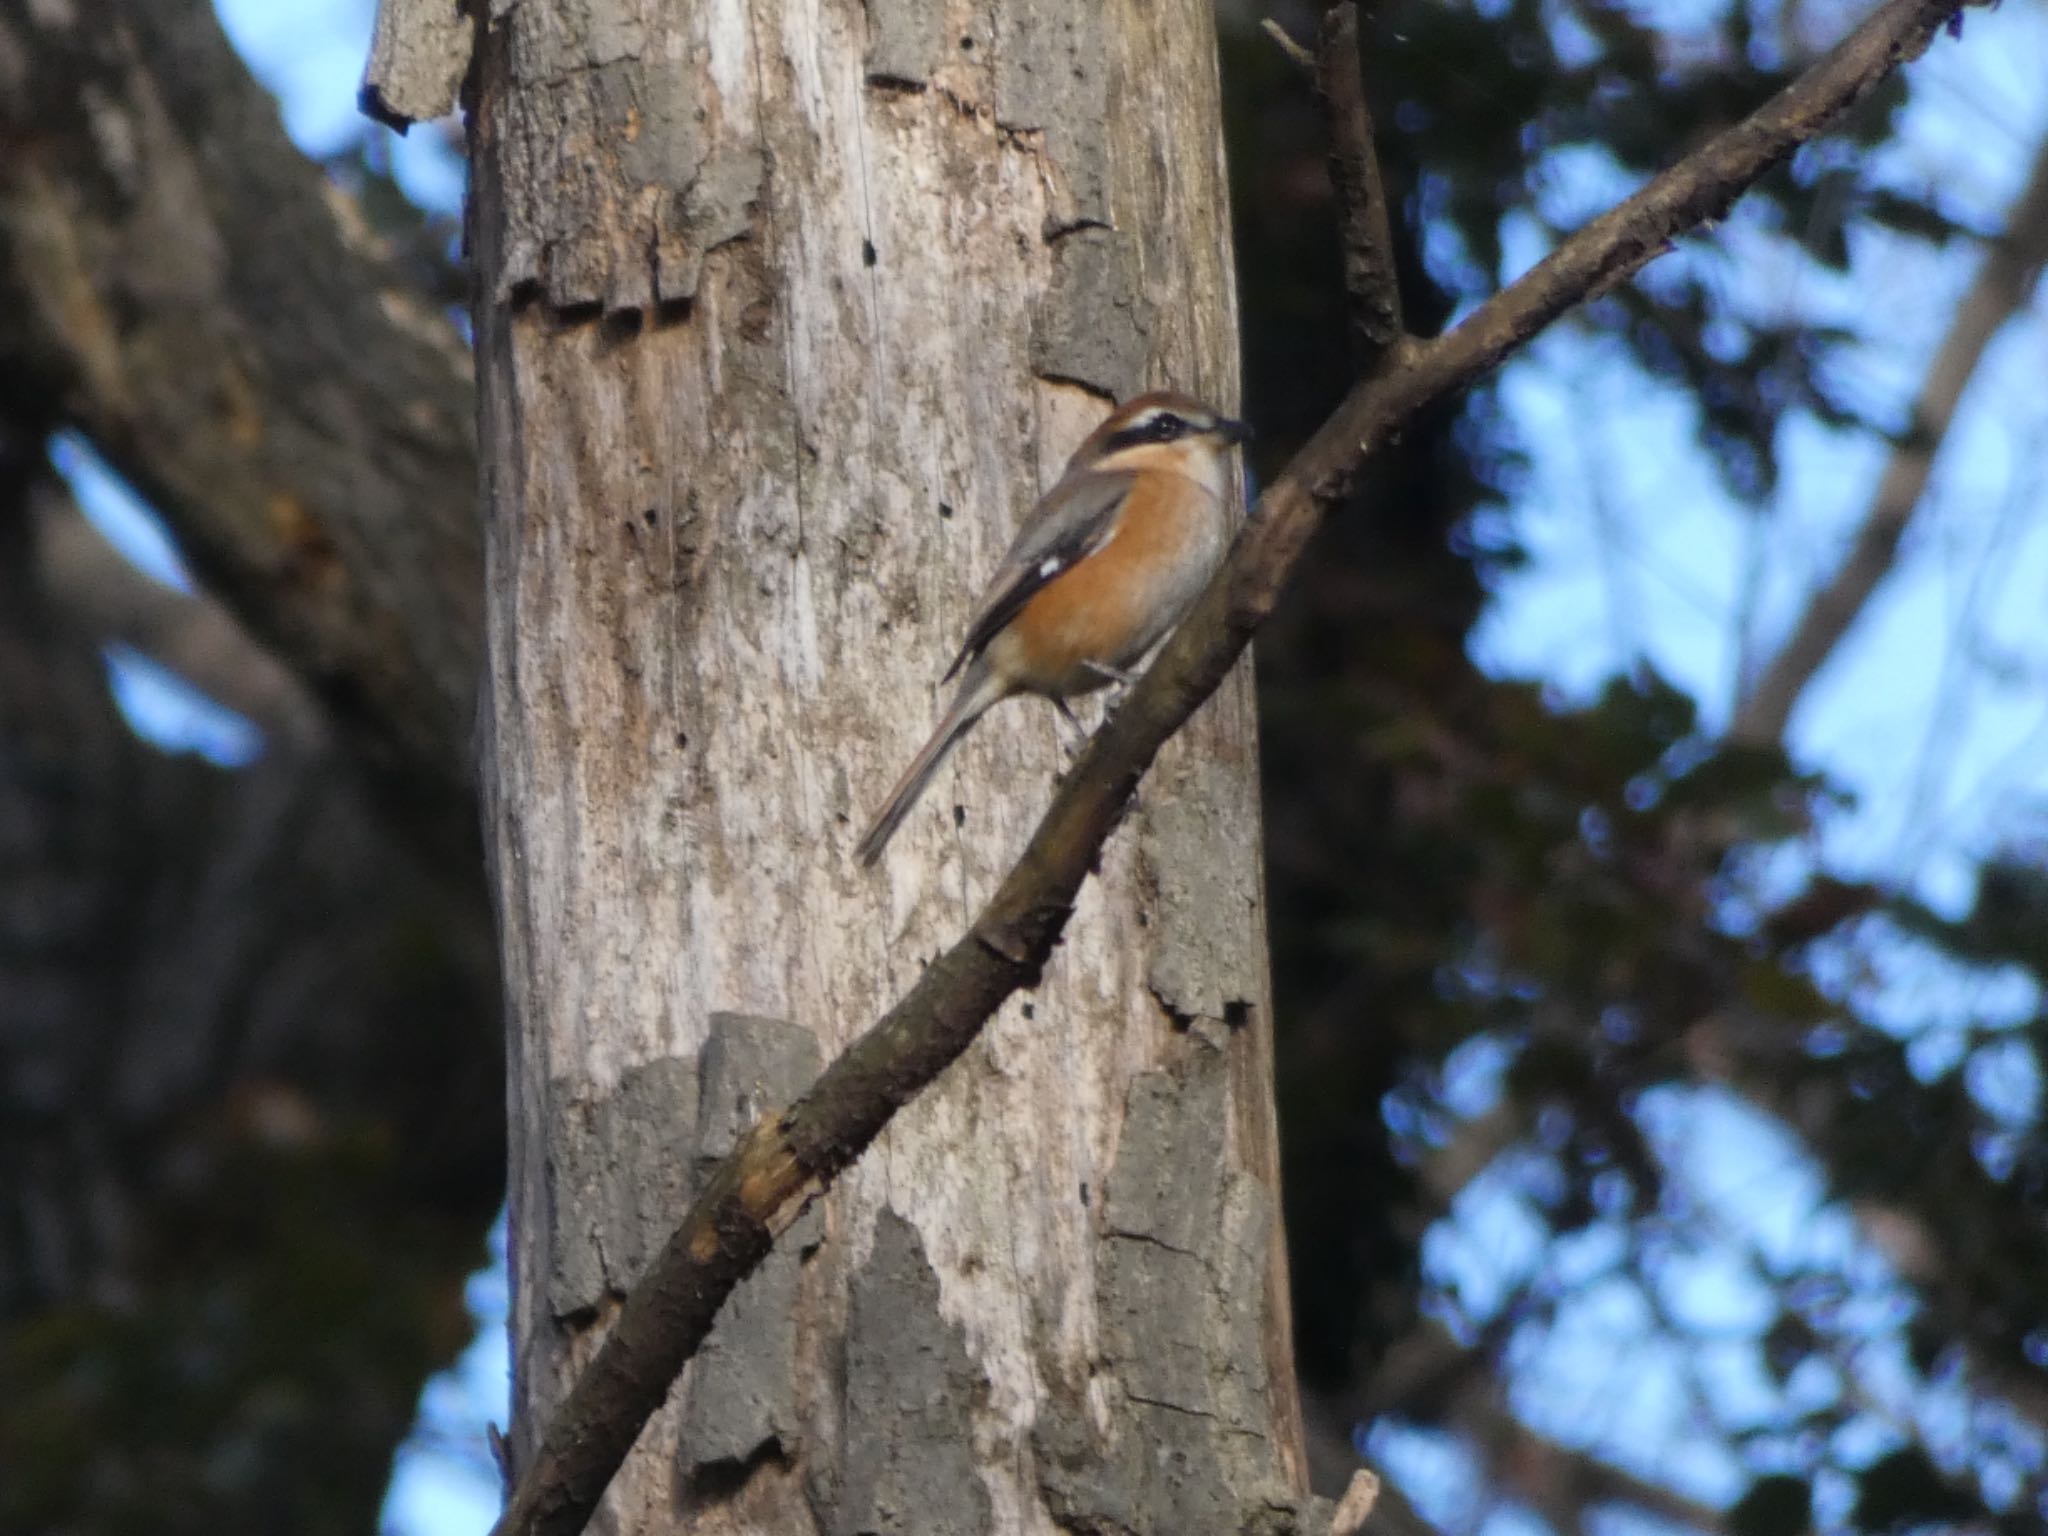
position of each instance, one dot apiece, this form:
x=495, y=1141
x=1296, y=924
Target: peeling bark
x=419, y=55
x=786, y=314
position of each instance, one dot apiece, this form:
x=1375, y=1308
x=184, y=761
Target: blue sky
x=1935, y=716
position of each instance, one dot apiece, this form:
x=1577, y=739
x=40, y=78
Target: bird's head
x=1162, y=430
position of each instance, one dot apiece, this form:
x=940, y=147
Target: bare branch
x=1296, y=54
x=1365, y=235
x=2002, y=285
x=1364, y=226
x=109, y=599
x=1356, y=1506
x=787, y=1160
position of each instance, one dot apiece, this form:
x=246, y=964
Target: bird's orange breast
x=1105, y=610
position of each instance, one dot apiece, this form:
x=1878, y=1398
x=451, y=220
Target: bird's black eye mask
x=1159, y=427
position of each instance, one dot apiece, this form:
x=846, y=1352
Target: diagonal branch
x=787, y=1160
x=109, y=599
x=2001, y=287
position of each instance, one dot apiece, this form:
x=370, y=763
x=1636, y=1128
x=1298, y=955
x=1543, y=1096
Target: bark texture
x=786, y=314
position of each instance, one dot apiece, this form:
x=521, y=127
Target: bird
x=1107, y=562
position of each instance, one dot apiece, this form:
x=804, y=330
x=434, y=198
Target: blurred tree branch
x=188, y=291
x=111, y=600
x=251, y=1104
x=2002, y=286
x=251, y=1100
x=1439, y=1380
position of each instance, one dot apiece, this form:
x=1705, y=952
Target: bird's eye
x=1165, y=427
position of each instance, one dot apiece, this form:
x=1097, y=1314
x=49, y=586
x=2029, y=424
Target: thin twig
x=1355, y=1508
x=1296, y=54
x=785, y=1161
x=1364, y=225
x=2000, y=287
x=1364, y=228
x=501, y=1454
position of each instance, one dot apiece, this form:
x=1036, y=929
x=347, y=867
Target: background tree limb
x=250, y=1090
x=111, y=599
x=785, y=1161
x=2001, y=287
x=197, y=299
x=249, y=1043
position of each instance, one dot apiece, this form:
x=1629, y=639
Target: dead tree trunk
x=786, y=313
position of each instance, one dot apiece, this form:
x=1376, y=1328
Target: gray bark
x=417, y=60
x=786, y=314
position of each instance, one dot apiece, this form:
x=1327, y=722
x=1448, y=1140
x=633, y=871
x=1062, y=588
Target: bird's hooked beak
x=1233, y=432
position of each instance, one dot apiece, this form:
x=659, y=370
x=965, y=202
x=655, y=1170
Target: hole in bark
x=1178, y=1017
x=1237, y=1013
x=959, y=816
x=714, y=1482
x=1084, y=1191
x=756, y=320
x=650, y=517
x=1030, y=1011
x=867, y=253
x=946, y=510
x=967, y=45
x=682, y=740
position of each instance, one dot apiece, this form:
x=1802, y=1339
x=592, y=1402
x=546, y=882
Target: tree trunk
x=786, y=313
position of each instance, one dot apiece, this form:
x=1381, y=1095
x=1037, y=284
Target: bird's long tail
x=978, y=690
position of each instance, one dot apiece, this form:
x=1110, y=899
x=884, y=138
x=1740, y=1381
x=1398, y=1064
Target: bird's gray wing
x=1073, y=520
